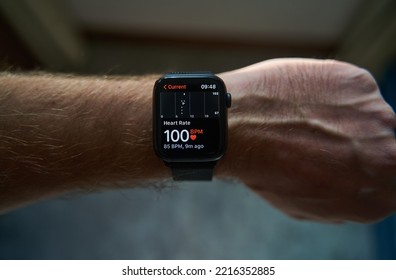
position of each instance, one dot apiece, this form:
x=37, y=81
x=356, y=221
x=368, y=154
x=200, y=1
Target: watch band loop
x=192, y=171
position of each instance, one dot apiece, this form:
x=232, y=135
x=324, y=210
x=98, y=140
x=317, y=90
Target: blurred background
x=197, y=220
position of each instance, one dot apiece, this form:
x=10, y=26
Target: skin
x=313, y=137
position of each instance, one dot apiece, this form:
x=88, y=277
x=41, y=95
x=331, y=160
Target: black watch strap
x=187, y=74
x=192, y=171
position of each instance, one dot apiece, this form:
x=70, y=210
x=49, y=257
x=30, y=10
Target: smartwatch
x=190, y=123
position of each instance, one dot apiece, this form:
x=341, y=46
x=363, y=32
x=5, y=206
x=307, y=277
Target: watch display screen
x=189, y=118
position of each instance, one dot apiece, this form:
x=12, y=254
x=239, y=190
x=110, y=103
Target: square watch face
x=189, y=118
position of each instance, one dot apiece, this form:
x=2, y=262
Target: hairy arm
x=61, y=133
x=313, y=137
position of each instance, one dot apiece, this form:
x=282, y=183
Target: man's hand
x=314, y=138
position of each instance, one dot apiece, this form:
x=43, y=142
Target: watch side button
x=228, y=101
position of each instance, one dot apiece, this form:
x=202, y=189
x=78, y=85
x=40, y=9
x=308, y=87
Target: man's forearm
x=313, y=137
x=59, y=133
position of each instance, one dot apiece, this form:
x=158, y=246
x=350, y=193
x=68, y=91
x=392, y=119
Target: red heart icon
x=193, y=137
